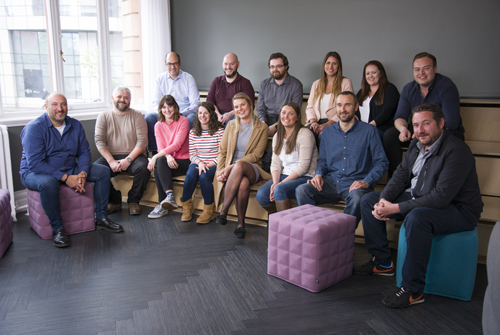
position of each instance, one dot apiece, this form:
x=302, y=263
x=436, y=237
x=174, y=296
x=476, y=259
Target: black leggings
x=164, y=174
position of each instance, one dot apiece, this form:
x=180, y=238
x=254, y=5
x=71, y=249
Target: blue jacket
x=45, y=151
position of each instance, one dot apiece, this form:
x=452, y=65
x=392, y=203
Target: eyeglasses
x=279, y=67
x=172, y=64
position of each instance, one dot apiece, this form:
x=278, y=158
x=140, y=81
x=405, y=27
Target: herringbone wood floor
x=170, y=277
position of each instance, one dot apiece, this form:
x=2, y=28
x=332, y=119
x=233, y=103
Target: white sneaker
x=169, y=202
x=158, y=212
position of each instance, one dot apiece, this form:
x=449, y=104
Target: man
x=179, y=84
x=351, y=161
x=223, y=88
x=56, y=152
x=435, y=190
x=428, y=87
x=276, y=90
x=121, y=138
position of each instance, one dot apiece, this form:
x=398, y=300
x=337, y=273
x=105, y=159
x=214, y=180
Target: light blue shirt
x=183, y=89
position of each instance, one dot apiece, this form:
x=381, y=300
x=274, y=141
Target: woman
x=321, y=111
x=204, y=140
x=172, y=159
x=293, y=163
x=378, y=98
x=239, y=160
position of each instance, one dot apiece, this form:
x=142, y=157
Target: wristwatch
x=129, y=159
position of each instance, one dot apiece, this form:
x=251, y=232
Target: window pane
x=24, y=62
x=116, y=42
x=81, y=53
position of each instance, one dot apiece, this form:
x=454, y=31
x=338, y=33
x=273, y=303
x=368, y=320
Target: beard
x=231, y=75
x=278, y=75
x=121, y=106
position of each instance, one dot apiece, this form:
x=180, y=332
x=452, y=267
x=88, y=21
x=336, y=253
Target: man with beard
x=121, y=136
x=435, y=191
x=428, y=87
x=223, y=88
x=56, y=152
x=276, y=90
x=351, y=161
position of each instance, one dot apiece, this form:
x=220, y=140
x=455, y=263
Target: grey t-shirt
x=241, y=143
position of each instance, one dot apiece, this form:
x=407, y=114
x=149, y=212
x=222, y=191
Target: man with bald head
x=56, y=152
x=223, y=88
x=179, y=84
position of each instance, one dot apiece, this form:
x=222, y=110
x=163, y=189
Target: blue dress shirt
x=183, y=89
x=46, y=151
x=357, y=154
x=442, y=92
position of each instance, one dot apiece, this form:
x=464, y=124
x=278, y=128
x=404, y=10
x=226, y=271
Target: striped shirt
x=205, y=147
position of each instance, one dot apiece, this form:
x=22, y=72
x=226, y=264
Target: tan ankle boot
x=207, y=215
x=271, y=209
x=187, y=210
x=282, y=205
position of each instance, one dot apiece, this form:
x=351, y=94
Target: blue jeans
x=308, y=194
x=282, y=191
x=151, y=120
x=231, y=118
x=421, y=225
x=48, y=187
x=206, y=184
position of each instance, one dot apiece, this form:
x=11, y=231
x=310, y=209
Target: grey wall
x=16, y=149
x=463, y=35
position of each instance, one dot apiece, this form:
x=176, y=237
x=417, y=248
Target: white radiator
x=6, y=181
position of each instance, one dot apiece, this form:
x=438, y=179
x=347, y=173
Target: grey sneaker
x=158, y=212
x=169, y=202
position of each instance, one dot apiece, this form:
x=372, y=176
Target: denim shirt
x=45, y=151
x=357, y=154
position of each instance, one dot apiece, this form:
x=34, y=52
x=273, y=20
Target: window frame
x=80, y=111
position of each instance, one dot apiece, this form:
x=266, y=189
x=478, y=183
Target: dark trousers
x=164, y=174
x=317, y=137
x=421, y=225
x=392, y=147
x=139, y=169
x=266, y=159
x=206, y=183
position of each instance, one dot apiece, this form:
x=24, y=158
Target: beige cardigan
x=253, y=153
x=307, y=151
x=312, y=110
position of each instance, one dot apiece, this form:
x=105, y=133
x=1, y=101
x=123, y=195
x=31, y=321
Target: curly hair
x=213, y=124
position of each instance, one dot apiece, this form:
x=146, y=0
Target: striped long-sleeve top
x=205, y=147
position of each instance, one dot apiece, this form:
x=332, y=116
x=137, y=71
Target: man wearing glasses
x=276, y=90
x=179, y=84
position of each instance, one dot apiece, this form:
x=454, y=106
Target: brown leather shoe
x=134, y=208
x=114, y=207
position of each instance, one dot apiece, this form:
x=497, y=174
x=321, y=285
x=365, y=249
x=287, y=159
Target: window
x=72, y=46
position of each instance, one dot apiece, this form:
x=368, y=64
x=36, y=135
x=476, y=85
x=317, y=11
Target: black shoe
x=240, y=232
x=374, y=268
x=108, y=225
x=59, y=239
x=221, y=219
x=403, y=298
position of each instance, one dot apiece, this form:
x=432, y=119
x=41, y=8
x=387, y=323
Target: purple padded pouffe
x=77, y=211
x=6, y=234
x=311, y=247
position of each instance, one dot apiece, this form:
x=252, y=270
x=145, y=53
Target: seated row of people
x=379, y=100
